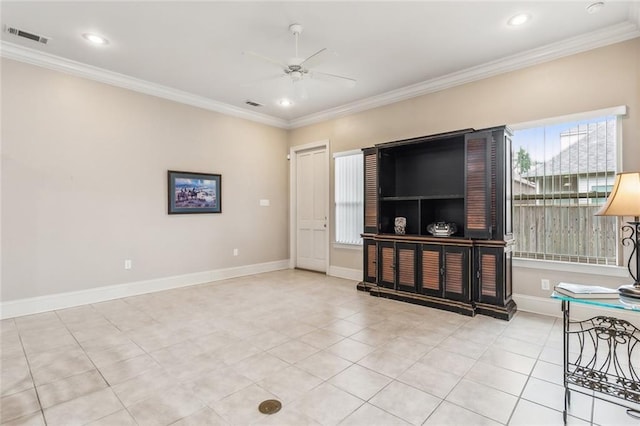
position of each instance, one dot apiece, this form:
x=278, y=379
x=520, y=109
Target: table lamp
x=624, y=200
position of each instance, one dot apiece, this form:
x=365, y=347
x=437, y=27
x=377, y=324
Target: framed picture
x=191, y=192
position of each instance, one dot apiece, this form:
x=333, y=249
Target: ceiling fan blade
x=263, y=80
x=350, y=82
x=315, y=58
x=267, y=59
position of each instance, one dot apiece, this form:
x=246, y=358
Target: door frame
x=293, y=199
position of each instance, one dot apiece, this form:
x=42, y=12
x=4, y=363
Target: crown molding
x=613, y=34
x=57, y=63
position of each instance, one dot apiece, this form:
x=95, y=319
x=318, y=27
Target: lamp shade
x=624, y=199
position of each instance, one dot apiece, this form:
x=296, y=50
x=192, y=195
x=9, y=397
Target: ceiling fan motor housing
x=296, y=72
x=295, y=29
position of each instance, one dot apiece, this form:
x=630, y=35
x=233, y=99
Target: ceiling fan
x=298, y=69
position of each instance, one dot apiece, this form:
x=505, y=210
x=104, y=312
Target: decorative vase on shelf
x=400, y=225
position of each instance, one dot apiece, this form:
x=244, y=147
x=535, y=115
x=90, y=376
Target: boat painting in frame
x=191, y=192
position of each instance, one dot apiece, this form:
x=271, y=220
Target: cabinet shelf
x=423, y=238
x=424, y=197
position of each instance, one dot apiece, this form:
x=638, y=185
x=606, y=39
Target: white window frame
x=358, y=187
x=565, y=266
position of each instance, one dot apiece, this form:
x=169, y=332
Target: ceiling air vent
x=20, y=33
x=253, y=104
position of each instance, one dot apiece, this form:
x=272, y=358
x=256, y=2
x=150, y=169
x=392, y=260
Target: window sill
x=347, y=246
x=580, y=268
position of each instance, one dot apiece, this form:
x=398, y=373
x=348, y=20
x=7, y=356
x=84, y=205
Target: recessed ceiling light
x=595, y=7
x=95, y=38
x=519, y=19
x=285, y=102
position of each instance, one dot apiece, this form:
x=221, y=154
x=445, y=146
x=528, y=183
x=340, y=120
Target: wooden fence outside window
x=565, y=233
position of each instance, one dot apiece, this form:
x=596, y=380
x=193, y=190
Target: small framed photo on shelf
x=191, y=192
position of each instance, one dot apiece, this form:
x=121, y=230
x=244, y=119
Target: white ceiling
x=193, y=51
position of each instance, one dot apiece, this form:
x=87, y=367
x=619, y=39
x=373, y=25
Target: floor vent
x=24, y=34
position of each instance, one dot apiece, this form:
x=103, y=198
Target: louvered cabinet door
x=478, y=191
x=456, y=280
x=489, y=282
x=370, y=258
x=500, y=192
x=370, y=190
x=431, y=268
x=504, y=173
x=386, y=264
x=406, y=267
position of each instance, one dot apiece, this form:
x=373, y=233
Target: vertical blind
x=349, y=198
x=563, y=173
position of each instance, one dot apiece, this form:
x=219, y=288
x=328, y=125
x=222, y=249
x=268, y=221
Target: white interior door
x=311, y=209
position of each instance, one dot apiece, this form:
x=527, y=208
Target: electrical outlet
x=544, y=284
x=235, y=252
x=127, y=264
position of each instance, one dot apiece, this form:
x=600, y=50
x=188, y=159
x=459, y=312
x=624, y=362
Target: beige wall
x=600, y=78
x=84, y=186
x=84, y=168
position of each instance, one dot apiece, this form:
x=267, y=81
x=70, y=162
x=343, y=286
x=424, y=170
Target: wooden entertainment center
x=462, y=179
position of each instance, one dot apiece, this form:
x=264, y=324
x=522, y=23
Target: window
x=563, y=171
x=349, y=199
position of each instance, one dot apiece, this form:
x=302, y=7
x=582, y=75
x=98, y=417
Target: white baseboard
x=346, y=273
x=34, y=305
x=538, y=305
x=552, y=307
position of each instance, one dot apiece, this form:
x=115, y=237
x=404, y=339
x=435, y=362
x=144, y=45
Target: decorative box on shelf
x=442, y=229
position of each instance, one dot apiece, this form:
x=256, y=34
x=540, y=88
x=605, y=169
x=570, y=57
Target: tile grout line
x=94, y=366
x=35, y=388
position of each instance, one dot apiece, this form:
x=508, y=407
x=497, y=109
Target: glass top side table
x=601, y=355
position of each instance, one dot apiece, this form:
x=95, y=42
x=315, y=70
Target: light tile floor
x=209, y=354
